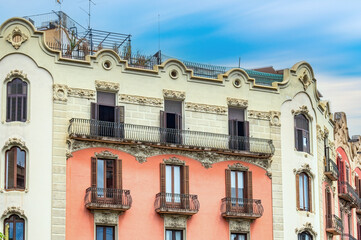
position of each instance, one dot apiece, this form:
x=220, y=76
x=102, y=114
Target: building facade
x=114, y=149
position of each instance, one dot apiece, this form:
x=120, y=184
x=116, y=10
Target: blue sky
x=327, y=34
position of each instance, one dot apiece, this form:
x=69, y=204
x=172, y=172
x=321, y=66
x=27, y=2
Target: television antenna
x=89, y=11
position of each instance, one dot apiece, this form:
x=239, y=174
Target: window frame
x=306, y=233
x=104, y=232
x=24, y=107
x=117, y=171
x=305, y=208
x=14, y=221
x=15, y=188
x=173, y=233
x=306, y=133
x=238, y=235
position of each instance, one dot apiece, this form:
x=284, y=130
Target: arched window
x=15, y=168
x=16, y=101
x=302, y=135
x=303, y=185
x=305, y=236
x=14, y=228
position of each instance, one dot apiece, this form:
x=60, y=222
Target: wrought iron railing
x=170, y=202
x=96, y=129
x=346, y=189
x=332, y=167
x=107, y=198
x=241, y=207
x=334, y=222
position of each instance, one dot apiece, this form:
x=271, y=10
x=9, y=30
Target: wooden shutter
x=94, y=110
x=178, y=121
x=246, y=129
x=118, y=176
x=93, y=172
x=309, y=193
x=359, y=184
x=119, y=114
x=228, y=183
x=248, y=176
x=185, y=179
x=162, y=177
x=232, y=127
x=298, y=191
x=163, y=119
x=328, y=203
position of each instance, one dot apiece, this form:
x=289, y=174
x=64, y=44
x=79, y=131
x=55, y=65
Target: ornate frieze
x=307, y=227
x=304, y=168
x=13, y=210
x=238, y=167
x=16, y=74
x=235, y=102
x=198, y=107
x=239, y=225
x=81, y=93
x=175, y=221
x=106, y=154
x=158, y=102
x=60, y=92
x=259, y=115
x=171, y=94
x=106, y=86
x=16, y=38
x=303, y=110
x=173, y=161
x=14, y=142
x=104, y=217
x=275, y=118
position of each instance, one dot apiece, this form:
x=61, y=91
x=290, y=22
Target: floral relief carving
x=106, y=86
x=303, y=110
x=60, y=92
x=16, y=38
x=173, y=161
x=239, y=225
x=235, y=102
x=306, y=227
x=259, y=115
x=175, y=221
x=275, y=118
x=14, y=142
x=81, y=93
x=16, y=74
x=106, y=154
x=304, y=168
x=13, y=210
x=141, y=100
x=238, y=167
x=171, y=94
x=198, y=107
x=102, y=217
x=305, y=79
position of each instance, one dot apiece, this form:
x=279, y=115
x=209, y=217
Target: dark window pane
x=16, y=100
x=20, y=178
x=13, y=109
x=24, y=109
x=19, y=109
x=100, y=233
x=8, y=107
x=110, y=173
x=19, y=231
x=109, y=233
x=10, y=163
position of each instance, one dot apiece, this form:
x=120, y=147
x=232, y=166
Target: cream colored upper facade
x=62, y=89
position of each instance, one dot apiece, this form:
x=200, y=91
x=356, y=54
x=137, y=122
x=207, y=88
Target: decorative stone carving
x=303, y=110
x=16, y=74
x=107, y=86
x=14, y=142
x=68, y=154
x=175, y=221
x=304, y=168
x=305, y=79
x=106, y=154
x=60, y=92
x=235, y=102
x=306, y=227
x=269, y=174
x=206, y=163
x=16, y=38
x=238, y=167
x=198, y=107
x=171, y=94
x=141, y=100
x=13, y=210
x=173, y=161
x=104, y=217
x=320, y=133
x=275, y=118
x=259, y=115
x=239, y=225
x=81, y=93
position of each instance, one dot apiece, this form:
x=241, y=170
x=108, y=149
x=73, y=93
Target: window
x=238, y=129
x=171, y=122
x=174, y=183
x=238, y=236
x=238, y=184
x=303, y=188
x=15, y=168
x=105, y=233
x=305, y=236
x=14, y=228
x=16, y=102
x=173, y=234
x=302, y=135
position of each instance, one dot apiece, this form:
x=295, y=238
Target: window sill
x=305, y=154
x=14, y=190
x=305, y=212
x=15, y=123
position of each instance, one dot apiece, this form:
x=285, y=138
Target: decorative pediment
x=239, y=225
x=307, y=227
x=106, y=86
x=235, y=102
x=16, y=74
x=238, y=167
x=103, y=217
x=304, y=168
x=303, y=110
x=171, y=94
x=174, y=161
x=106, y=154
x=141, y=100
x=14, y=141
x=16, y=38
x=198, y=107
x=175, y=221
x=13, y=210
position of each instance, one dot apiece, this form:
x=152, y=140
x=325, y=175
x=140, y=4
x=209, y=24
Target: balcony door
x=173, y=183
x=171, y=122
x=239, y=191
x=238, y=129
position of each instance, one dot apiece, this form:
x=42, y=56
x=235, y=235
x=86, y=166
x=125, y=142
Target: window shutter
x=185, y=179
x=307, y=136
x=298, y=191
x=246, y=129
x=94, y=110
x=232, y=127
x=228, y=183
x=309, y=193
x=299, y=140
x=249, y=185
x=359, y=184
x=119, y=114
x=356, y=185
x=162, y=177
x=328, y=203
x=93, y=172
x=118, y=177
x=163, y=120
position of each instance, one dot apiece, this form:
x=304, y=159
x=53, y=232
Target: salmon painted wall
x=141, y=221
x=325, y=185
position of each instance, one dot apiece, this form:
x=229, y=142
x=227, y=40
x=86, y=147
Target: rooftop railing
x=94, y=129
x=186, y=204
x=241, y=208
x=108, y=198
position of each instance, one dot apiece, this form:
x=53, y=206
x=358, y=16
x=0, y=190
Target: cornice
x=171, y=94
x=106, y=86
x=198, y=107
x=140, y=100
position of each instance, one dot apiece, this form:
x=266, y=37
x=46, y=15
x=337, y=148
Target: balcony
x=348, y=193
x=107, y=199
x=87, y=129
x=331, y=170
x=241, y=208
x=333, y=224
x=348, y=237
x=182, y=204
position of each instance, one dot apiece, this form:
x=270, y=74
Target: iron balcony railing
x=88, y=128
x=108, y=198
x=176, y=203
x=348, y=193
x=331, y=169
x=241, y=208
x=334, y=224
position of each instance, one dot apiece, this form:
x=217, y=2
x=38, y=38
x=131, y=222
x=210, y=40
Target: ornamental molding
x=174, y=161
x=175, y=221
x=158, y=102
x=14, y=141
x=239, y=225
x=106, y=154
x=259, y=115
x=275, y=118
x=60, y=92
x=81, y=93
x=104, y=217
x=13, y=210
x=238, y=167
x=198, y=107
x=307, y=227
x=303, y=110
x=16, y=74
x=305, y=79
x=345, y=207
x=106, y=86
x=320, y=133
x=304, y=168
x=171, y=94
x=141, y=152
x=16, y=38
x=235, y=102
